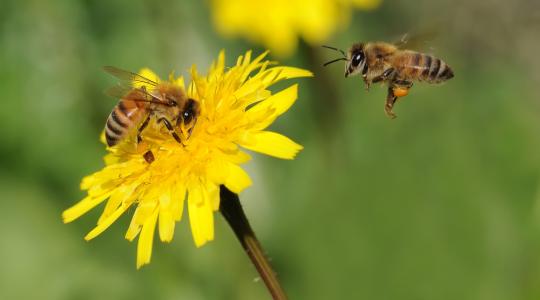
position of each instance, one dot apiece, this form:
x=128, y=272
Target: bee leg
x=140, y=130
x=398, y=88
x=191, y=129
x=403, y=83
x=171, y=130
x=401, y=88
x=387, y=74
x=366, y=83
x=390, y=100
x=149, y=157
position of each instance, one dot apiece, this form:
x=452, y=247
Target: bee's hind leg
x=402, y=83
x=396, y=89
x=149, y=156
x=401, y=88
x=390, y=100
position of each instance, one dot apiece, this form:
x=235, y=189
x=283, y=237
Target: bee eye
x=187, y=116
x=356, y=59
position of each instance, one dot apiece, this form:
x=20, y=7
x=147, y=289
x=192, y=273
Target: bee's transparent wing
x=126, y=92
x=128, y=77
x=420, y=41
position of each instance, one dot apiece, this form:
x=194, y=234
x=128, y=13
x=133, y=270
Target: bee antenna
x=335, y=49
x=333, y=61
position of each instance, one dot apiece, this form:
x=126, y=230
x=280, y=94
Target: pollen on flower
x=236, y=107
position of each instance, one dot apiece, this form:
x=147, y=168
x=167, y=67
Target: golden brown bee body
x=125, y=115
x=164, y=101
x=408, y=65
x=399, y=68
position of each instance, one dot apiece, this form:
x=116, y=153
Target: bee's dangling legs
x=390, y=100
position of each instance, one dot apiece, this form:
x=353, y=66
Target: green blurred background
x=441, y=203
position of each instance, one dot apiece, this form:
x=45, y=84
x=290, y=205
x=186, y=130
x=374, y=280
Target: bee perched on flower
x=233, y=109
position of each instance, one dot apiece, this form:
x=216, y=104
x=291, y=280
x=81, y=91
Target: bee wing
x=123, y=91
x=127, y=92
x=128, y=77
x=417, y=41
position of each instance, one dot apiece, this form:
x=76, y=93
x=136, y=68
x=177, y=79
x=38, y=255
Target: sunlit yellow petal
x=166, y=221
x=268, y=110
x=83, y=207
x=133, y=230
x=179, y=82
x=144, y=247
x=271, y=143
x=144, y=211
x=122, y=195
x=291, y=72
x=212, y=192
x=106, y=222
x=178, y=196
x=201, y=217
x=166, y=225
x=237, y=180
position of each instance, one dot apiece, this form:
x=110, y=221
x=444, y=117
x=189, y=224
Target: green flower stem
x=232, y=211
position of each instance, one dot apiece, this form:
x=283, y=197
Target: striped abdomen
x=126, y=115
x=425, y=67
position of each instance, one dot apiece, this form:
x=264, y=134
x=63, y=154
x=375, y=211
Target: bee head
x=356, y=60
x=187, y=117
x=190, y=112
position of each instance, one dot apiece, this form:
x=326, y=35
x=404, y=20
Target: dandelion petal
x=106, y=222
x=166, y=225
x=201, y=217
x=237, y=180
x=273, y=144
x=83, y=207
x=144, y=247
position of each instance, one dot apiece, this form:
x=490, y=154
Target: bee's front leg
x=367, y=82
x=171, y=129
x=367, y=85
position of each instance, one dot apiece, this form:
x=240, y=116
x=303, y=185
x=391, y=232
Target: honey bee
x=388, y=63
x=140, y=100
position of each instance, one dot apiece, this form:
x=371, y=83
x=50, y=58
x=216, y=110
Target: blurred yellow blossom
x=277, y=24
x=236, y=108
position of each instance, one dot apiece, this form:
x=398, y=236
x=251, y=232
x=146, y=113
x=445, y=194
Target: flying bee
x=140, y=100
x=388, y=63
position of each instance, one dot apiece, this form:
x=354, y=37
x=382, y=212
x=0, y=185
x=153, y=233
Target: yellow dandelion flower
x=235, y=109
x=277, y=24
